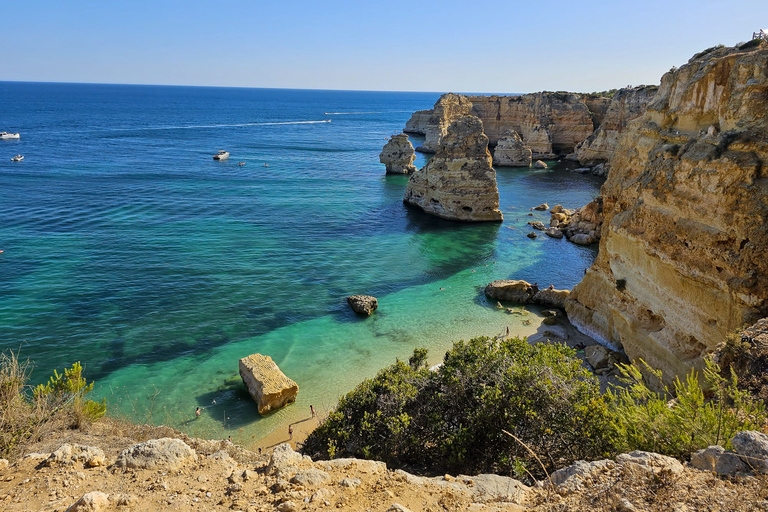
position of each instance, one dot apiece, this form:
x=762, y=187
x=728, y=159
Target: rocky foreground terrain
x=103, y=469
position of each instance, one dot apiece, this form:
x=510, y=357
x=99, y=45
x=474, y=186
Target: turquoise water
x=126, y=247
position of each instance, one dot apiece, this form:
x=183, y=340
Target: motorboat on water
x=17, y=158
x=221, y=155
x=6, y=136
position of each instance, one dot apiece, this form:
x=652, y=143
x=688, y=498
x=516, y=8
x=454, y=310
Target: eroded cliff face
x=626, y=105
x=458, y=182
x=549, y=122
x=512, y=151
x=434, y=126
x=682, y=258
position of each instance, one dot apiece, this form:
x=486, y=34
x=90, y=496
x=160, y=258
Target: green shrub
x=677, y=427
x=27, y=416
x=453, y=419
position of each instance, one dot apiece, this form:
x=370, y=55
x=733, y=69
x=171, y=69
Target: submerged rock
x=267, y=385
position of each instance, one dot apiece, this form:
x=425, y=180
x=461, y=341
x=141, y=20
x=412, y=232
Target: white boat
x=221, y=155
x=17, y=158
x=6, y=135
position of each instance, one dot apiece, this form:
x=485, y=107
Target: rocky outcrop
x=550, y=123
x=458, y=183
x=398, y=155
x=625, y=105
x=582, y=226
x=447, y=109
x=523, y=292
x=512, y=151
x=267, y=385
x=363, y=304
x=682, y=255
x=165, y=453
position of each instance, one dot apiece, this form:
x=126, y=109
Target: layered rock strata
x=626, y=105
x=551, y=123
x=458, y=183
x=512, y=151
x=682, y=255
x=266, y=383
x=448, y=108
x=398, y=155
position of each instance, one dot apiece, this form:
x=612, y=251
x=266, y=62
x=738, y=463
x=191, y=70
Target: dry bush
x=28, y=415
x=629, y=487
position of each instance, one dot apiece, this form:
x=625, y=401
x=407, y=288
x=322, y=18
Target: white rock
x=157, y=453
x=651, y=461
x=718, y=460
x=752, y=447
x=91, y=502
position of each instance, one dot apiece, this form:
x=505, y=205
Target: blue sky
x=423, y=45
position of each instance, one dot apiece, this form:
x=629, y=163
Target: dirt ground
x=227, y=477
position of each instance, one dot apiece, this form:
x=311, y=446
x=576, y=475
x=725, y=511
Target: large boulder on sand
x=511, y=290
x=363, y=304
x=268, y=386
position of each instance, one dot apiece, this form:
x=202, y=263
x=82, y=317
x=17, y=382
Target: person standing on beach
x=290, y=431
x=312, y=410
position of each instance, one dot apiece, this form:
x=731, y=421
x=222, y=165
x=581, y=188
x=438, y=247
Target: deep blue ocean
x=129, y=249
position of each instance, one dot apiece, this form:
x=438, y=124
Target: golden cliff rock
x=682, y=260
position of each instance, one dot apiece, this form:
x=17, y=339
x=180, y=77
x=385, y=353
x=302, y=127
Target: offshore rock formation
x=549, y=123
x=512, y=151
x=398, y=155
x=583, y=127
x=267, y=385
x=363, y=304
x=434, y=126
x=458, y=183
x=626, y=105
x=682, y=256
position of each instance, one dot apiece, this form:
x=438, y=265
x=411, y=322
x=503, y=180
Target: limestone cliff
x=512, y=151
x=398, y=156
x=447, y=109
x=682, y=255
x=458, y=183
x=625, y=105
x=549, y=122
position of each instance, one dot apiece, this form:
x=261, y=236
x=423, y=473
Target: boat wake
x=360, y=113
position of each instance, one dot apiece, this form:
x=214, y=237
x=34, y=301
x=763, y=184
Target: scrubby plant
x=454, y=418
x=27, y=414
x=689, y=417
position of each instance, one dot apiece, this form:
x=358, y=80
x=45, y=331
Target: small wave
x=220, y=125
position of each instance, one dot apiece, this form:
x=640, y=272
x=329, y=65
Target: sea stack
x=458, y=183
x=398, y=155
x=682, y=254
x=512, y=151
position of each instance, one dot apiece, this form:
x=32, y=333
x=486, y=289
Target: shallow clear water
x=128, y=248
